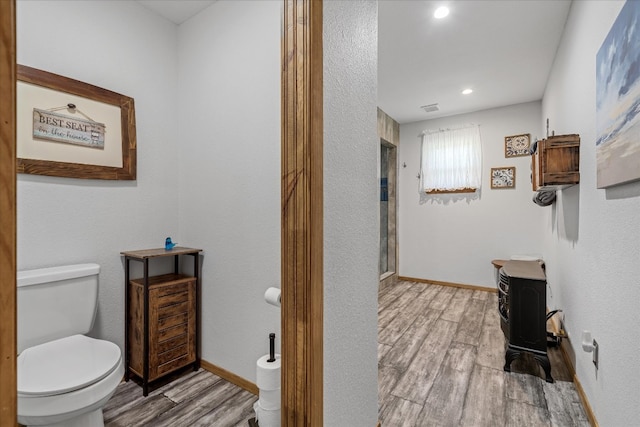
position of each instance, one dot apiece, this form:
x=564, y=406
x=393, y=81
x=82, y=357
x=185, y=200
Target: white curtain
x=451, y=159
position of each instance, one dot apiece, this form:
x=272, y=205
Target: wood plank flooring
x=440, y=359
x=194, y=399
x=440, y=363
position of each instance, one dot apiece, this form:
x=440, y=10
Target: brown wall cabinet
x=556, y=163
x=162, y=318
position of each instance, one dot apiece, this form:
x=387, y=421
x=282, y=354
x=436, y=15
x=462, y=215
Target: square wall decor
x=503, y=177
x=517, y=145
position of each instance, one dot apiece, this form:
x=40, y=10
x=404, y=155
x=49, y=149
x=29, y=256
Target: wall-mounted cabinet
x=556, y=163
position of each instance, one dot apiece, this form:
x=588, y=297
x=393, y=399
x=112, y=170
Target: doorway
x=387, y=210
x=389, y=134
x=302, y=301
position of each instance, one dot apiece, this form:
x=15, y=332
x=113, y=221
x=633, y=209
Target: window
x=451, y=160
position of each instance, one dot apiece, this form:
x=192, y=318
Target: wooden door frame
x=8, y=345
x=302, y=204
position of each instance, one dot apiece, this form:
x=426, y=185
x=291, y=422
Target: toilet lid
x=65, y=365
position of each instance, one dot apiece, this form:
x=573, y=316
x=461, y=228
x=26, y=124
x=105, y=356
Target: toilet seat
x=64, y=365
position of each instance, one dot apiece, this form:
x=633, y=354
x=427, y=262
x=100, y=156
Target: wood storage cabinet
x=556, y=163
x=162, y=315
x=172, y=324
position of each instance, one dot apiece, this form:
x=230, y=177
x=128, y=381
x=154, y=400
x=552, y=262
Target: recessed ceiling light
x=467, y=91
x=441, y=12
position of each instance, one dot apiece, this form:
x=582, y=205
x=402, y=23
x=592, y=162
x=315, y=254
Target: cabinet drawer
x=172, y=310
x=172, y=332
x=174, y=353
x=175, y=364
x=166, y=283
x=172, y=299
x=170, y=321
x=170, y=289
x=172, y=342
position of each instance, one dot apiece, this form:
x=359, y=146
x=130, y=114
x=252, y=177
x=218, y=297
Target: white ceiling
x=503, y=50
x=177, y=11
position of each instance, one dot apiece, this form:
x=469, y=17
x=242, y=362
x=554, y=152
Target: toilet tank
x=56, y=302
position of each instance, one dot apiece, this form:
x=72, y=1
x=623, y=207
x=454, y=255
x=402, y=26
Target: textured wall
x=230, y=173
x=451, y=238
x=593, y=235
x=123, y=47
x=351, y=207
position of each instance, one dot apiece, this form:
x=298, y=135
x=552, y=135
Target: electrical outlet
x=595, y=353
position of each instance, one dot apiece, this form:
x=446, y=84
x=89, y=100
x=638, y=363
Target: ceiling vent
x=430, y=108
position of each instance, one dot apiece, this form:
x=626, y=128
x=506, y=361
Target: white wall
x=229, y=140
x=351, y=229
x=453, y=238
x=123, y=47
x=220, y=139
x=593, y=235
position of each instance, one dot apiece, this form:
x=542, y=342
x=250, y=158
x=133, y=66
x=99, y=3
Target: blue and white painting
x=618, y=100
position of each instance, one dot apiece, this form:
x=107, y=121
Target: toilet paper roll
x=272, y=296
x=270, y=399
x=268, y=373
x=267, y=418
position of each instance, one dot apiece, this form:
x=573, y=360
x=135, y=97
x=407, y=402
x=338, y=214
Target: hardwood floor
x=195, y=399
x=440, y=363
x=440, y=359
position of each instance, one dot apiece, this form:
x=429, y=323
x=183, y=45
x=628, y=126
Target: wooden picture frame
x=504, y=177
x=121, y=164
x=517, y=145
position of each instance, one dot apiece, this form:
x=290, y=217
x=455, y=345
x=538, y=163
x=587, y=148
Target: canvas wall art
x=618, y=100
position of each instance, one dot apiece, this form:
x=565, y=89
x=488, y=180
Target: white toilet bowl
x=66, y=382
x=64, y=377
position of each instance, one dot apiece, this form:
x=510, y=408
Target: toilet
x=64, y=377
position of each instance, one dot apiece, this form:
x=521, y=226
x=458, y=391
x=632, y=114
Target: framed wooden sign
x=72, y=129
x=517, y=145
x=503, y=177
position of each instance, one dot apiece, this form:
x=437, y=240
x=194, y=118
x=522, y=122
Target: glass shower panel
x=384, y=209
